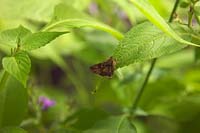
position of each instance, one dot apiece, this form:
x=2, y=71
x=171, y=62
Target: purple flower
x=46, y=102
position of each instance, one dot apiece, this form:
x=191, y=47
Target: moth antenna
x=94, y=91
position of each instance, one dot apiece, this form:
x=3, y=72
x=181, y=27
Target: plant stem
x=142, y=88
x=3, y=81
x=190, y=15
x=173, y=11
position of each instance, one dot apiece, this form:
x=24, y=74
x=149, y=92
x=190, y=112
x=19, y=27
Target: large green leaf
x=12, y=130
x=147, y=9
x=191, y=126
x=156, y=124
x=12, y=36
x=18, y=66
x=189, y=103
x=13, y=103
x=66, y=16
x=115, y=124
x=37, y=40
x=80, y=121
x=144, y=42
x=157, y=97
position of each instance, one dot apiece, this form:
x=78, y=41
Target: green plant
x=148, y=40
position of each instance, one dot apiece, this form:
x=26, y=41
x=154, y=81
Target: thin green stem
x=173, y=11
x=142, y=88
x=190, y=15
x=36, y=120
x=3, y=81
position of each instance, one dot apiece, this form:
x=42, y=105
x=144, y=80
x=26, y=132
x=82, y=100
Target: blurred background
x=60, y=72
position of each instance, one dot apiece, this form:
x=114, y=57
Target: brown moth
x=105, y=68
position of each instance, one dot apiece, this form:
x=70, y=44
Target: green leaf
x=145, y=42
x=12, y=36
x=12, y=130
x=191, y=126
x=18, y=66
x=157, y=97
x=79, y=120
x=13, y=103
x=68, y=17
x=148, y=10
x=37, y=40
x=114, y=124
x=157, y=124
x=189, y=103
x=184, y=3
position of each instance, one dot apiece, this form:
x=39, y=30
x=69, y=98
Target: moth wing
x=96, y=68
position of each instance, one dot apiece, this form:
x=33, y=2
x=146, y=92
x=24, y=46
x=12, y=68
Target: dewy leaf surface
x=144, y=42
x=68, y=17
x=147, y=9
x=18, y=66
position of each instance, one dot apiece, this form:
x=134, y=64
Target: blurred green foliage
x=60, y=71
